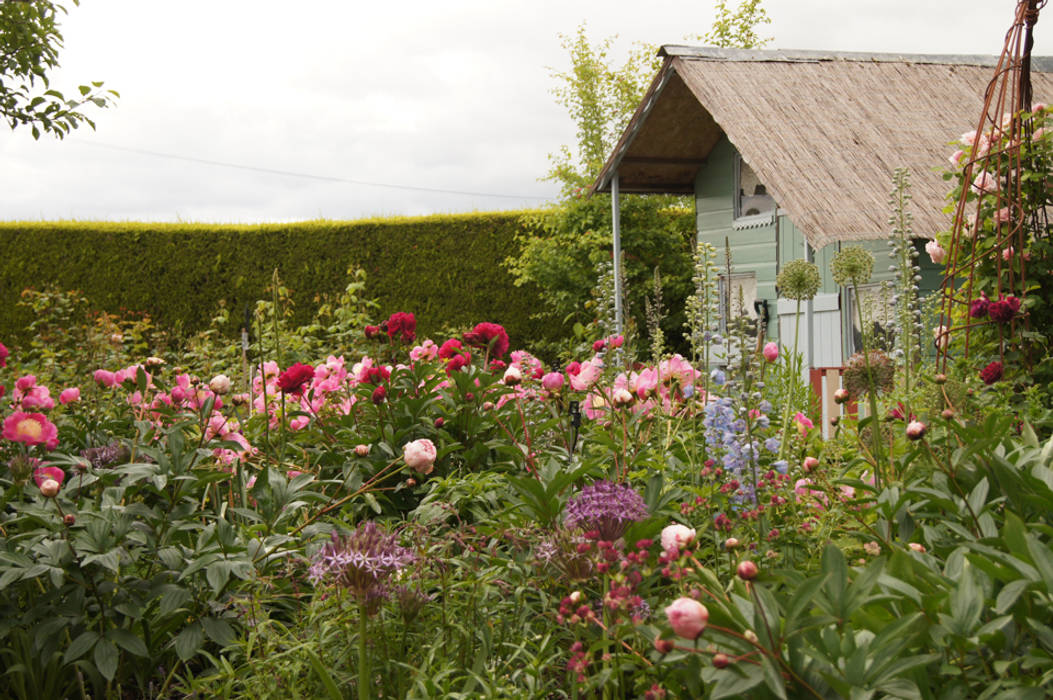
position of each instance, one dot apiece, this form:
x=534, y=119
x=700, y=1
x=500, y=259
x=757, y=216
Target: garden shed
x=790, y=154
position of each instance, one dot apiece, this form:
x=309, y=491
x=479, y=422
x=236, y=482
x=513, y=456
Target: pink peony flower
x=420, y=455
x=677, y=536
x=31, y=429
x=936, y=252
x=512, y=376
x=450, y=348
x=687, y=617
x=70, y=395
x=25, y=383
x=42, y=474
x=804, y=424
x=587, y=374
x=426, y=351
x=553, y=382
x=104, y=377
x=771, y=352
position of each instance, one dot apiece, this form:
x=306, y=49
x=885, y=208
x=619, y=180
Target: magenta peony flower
x=292, y=380
x=4, y=354
x=450, y=348
x=371, y=332
x=458, y=362
x=687, y=617
x=991, y=373
x=420, y=455
x=771, y=352
x=31, y=429
x=489, y=336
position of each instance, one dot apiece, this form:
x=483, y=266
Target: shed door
x=821, y=348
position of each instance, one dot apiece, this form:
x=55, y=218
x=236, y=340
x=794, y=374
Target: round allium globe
x=606, y=508
x=798, y=279
x=687, y=617
x=853, y=265
x=360, y=562
x=882, y=374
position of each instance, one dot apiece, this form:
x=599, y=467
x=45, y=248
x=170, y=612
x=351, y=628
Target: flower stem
x=363, y=659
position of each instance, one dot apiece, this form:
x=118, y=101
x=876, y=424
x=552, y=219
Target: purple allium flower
x=361, y=562
x=605, y=507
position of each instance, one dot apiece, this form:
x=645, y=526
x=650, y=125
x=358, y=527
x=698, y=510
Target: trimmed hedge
x=444, y=269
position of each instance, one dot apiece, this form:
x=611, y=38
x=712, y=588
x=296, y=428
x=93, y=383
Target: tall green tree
x=30, y=40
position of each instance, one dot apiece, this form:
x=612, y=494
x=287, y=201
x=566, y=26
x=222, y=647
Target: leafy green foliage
x=30, y=40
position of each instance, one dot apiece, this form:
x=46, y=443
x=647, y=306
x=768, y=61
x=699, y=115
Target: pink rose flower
x=936, y=252
x=420, y=455
x=70, y=395
x=687, y=617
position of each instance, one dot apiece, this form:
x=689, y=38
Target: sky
x=252, y=111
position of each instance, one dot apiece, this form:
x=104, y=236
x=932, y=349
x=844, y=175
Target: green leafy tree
x=738, y=28
x=30, y=40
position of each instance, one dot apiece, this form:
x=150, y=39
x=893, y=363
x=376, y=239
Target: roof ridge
x=712, y=53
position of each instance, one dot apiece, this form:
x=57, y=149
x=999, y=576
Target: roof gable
x=824, y=132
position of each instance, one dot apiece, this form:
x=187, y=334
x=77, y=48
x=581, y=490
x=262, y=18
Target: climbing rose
x=688, y=617
x=936, y=251
x=1003, y=310
x=292, y=380
x=991, y=373
x=978, y=307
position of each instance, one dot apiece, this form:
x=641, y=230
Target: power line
x=306, y=176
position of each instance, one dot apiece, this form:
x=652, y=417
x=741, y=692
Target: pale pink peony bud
x=49, y=488
x=916, y=430
x=220, y=384
x=688, y=617
x=677, y=536
x=747, y=570
x=420, y=455
x=361, y=450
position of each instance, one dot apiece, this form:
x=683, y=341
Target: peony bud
x=810, y=464
x=841, y=396
x=917, y=547
x=688, y=617
x=771, y=352
x=677, y=536
x=220, y=384
x=411, y=482
x=513, y=376
x=747, y=570
x=153, y=362
x=420, y=455
x=940, y=378
x=664, y=646
x=49, y=488
x=69, y=519
x=621, y=397
x=721, y=660
x=916, y=430
x=361, y=450
x=731, y=543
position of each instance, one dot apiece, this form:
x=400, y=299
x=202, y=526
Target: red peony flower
x=402, y=326
x=488, y=336
x=377, y=375
x=379, y=394
x=372, y=332
x=292, y=380
x=3, y=355
x=991, y=373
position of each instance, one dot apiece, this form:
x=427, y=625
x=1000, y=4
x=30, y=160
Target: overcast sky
x=450, y=95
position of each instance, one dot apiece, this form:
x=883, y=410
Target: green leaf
x=1009, y=594
x=128, y=641
x=80, y=646
x=978, y=496
x=219, y=631
x=736, y=680
x=331, y=688
x=966, y=601
x=188, y=642
x=106, y=658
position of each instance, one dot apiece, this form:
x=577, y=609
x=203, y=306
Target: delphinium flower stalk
x=653, y=307
x=853, y=267
x=703, y=311
x=361, y=563
x=798, y=280
x=907, y=320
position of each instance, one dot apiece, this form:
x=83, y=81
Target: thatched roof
x=823, y=131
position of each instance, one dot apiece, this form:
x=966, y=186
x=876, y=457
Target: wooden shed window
x=753, y=198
